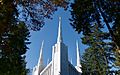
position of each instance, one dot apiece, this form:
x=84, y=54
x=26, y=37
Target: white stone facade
x=59, y=64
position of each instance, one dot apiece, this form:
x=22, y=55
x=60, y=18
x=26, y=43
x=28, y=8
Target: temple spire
x=59, y=39
x=40, y=61
x=78, y=55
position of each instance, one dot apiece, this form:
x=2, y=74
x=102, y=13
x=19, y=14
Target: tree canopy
x=34, y=12
x=104, y=12
x=98, y=57
x=16, y=18
x=13, y=46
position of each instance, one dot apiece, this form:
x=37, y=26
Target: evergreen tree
x=86, y=11
x=98, y=57
x=13, y=41
x=104, y=12
x=13, y=46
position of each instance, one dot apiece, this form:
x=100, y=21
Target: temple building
x=59, y=65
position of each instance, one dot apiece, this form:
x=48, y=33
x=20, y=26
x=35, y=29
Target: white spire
x=40, y=61
x=59, y=39
x=78, y=55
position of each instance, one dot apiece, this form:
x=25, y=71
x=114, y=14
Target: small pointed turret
x=78, y=55
x=59, y=39
x=40, y=61
x=78, y=67
x=40, y=66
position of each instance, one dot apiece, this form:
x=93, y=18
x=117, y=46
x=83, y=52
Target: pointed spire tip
x=59, y=39
x=78, y=54
x=40, y=61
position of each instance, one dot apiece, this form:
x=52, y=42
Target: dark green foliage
x=14, y=33
x=87, y=11
x=12, y=50
x=32, y=12
x=106, y=13
x=97, y=57
x=13, y=41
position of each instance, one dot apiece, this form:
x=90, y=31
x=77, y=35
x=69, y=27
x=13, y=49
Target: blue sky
x=49, y=35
